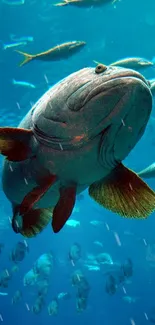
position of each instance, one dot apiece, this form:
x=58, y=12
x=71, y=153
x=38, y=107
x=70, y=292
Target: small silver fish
x=92, y=267
x=14, y=3
x=130, y=299
x=21, y=39
x=23, y=83
x=96, y=222
x=63, y=295
x=10, y=45
x=96, y=242
x=73, y=223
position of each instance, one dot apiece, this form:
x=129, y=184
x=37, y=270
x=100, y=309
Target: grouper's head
x=107, y=102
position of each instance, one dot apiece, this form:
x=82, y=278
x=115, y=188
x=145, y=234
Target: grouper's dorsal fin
x=125, y=193
x=15, y=143
x=63, y=208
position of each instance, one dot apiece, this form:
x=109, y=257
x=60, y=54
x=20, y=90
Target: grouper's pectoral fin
x=125, y=193
x=63, y=208
x=31, y=223
x=14, y=143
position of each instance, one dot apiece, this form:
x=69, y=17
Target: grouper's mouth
x=60, y=143
x=111, y=82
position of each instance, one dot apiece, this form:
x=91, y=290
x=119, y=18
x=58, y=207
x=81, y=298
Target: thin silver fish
x=23, y=84
x=10, y=45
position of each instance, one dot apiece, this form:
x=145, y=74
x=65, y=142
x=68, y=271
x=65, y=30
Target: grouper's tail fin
x=27, y=57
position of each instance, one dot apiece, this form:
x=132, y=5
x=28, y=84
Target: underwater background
x=111, y=32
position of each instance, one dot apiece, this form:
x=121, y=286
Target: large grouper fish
x=75, y=137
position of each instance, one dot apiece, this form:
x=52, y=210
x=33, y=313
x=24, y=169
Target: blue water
x=110, y=33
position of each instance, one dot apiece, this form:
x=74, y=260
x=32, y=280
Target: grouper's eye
x=100, y=68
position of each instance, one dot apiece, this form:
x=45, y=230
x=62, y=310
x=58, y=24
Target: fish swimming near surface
x=59, y=52
x=84, y=3
x=131, y=63
x=75, y=137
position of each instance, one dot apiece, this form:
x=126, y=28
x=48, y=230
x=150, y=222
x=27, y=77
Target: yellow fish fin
x=27, y=57
x=125, y=193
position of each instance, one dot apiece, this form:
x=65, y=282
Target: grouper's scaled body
x=74, y=138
